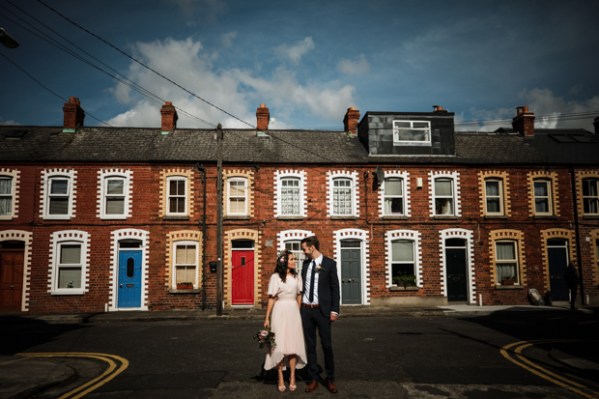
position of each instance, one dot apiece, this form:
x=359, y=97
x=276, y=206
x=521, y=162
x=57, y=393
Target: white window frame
x=68, y=175
x=549, y=198
x=176, y=264
x=386, y=196
x=499, y=197
x=339, y=191
x=11, y=196
x=63, y=238
x=332, y=176
x=590, y=198
x=185, y=196
x=104, y=178
x=498, y=261
x=280, y=177
x=452, y=197
x=246, y=199
x=409, y=235
x=414, y=126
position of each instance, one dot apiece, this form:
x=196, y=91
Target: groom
x=320, y=307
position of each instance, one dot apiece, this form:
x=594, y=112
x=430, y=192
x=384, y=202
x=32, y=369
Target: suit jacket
x=328, y=285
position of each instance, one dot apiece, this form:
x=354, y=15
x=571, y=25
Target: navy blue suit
x=319, y=318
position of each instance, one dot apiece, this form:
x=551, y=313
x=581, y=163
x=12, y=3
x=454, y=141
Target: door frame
x=241, y=234
x=27, y=238
x=470, y=283
x=362, y=236
x=119, y=236
x=548, y=234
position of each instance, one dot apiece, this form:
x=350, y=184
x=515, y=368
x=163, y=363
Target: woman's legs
x=281, y=382
x=292, y=363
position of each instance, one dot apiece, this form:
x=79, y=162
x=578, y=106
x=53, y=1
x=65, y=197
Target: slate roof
x=131, y=145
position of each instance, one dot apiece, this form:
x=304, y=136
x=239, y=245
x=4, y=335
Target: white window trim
x=344, y=174
x=501, y=196
x=103, y=177
x=168, y=195
x=247, y=199
x=58, y=239
x=405, y=176
x=456, y=189
x=196, y=262
x=426, y=143
x=549, y=183
x=14, y=192
x=496, y=261
x=595, y=197
x=411, y=235
x=71, y=176
x=279, y=176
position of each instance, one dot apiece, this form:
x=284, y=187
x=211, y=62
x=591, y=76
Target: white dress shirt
x=305, y=299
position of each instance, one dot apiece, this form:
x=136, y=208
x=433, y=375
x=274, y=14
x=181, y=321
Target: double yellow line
x=513, y=353
x=116, y=365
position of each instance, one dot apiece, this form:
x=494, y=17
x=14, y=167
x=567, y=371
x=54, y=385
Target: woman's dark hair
x=281, y=268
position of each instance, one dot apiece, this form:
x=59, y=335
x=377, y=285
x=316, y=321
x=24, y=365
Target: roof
x=35, y=144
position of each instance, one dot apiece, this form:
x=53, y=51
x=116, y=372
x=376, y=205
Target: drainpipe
x=219, y=225
x=577, y=233
x=202, y=171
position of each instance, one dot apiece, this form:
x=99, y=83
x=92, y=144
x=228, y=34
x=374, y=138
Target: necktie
x=311, y=292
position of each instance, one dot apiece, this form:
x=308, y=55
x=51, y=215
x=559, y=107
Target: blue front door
x=129, y=293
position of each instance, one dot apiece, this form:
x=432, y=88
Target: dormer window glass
x=411, y=133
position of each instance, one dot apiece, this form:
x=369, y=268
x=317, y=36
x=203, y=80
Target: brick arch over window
x=507, y=234
x=548, y=234
x=551, y=176
x=361, y=235
x=482, y=192
x=244, y=174
x=465, y=235
x=27, y=238
x=594, y=234
x=182, y=235
x=188, y=175
x=242, y=234
x=128, y=234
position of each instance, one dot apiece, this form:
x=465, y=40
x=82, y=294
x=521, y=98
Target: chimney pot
x=524, y=121
x=262, y=117
x=438, y=108
x=350, y=121
x=169, y=117
x=73, y=115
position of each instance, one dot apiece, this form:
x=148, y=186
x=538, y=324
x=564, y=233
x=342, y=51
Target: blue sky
x=308, y=61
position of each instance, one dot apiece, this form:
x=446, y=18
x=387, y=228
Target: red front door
x=242, y=277
x=11, y=280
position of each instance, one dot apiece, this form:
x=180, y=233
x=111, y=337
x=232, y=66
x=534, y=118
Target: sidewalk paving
x=22, y=377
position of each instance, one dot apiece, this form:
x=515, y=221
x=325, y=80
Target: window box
x=185, y=286
x=405, y=280
x=395, y=288
x=508, y=281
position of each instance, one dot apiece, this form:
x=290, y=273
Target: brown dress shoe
x=331, y=386
x=312, y=385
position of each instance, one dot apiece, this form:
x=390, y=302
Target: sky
x=308, y=61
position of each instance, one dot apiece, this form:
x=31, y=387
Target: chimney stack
x=438, y=108
x=169, y=117
x=262, y=117
x=73, y=115
x=350, y=121
x=596, y=124
x=524, y=121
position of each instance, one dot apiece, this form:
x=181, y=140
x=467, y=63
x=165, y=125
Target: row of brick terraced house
x=106, y=219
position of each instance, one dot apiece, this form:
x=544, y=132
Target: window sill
x=68, y=292
x=244, y=217
x=392, y=217
x=396, y=288
x=113, y=217
x=290, y=217
x=590, y=217
x=443, y=217
x=176, y=217
x=545, y=217
x=178, y=292
x=56, y=218
x=6, y=218
x=503, y=217
x=509, y=287
x=349, y=217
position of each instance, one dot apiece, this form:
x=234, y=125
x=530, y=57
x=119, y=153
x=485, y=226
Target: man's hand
x=334, y=316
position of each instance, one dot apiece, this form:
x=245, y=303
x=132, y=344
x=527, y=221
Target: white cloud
x=239, y=91
x=8, y=122
x=354, y=67
x=296, y=51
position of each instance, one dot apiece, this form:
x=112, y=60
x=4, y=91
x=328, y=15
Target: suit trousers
x=312, y=320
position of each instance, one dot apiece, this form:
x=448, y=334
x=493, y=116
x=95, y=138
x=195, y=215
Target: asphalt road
x=376, y=357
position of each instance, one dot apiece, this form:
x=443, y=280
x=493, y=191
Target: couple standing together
x=298, y=306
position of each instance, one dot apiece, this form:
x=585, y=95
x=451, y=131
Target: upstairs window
x=290, y=196
x=6, y=196
x=444, y=200
x=411, y=133
x=543, y=202
x=393, y=194
x=237, y=204
x=342, y=197
x=494, y=197
x=176, y=196
x=590, y=196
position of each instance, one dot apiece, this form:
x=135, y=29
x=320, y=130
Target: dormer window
x=412, y=133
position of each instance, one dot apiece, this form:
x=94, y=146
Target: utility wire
x=552, y=116
x=141, y=63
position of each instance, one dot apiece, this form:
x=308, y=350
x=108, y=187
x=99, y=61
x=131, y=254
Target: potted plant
x=405, y=280
x=186, y=285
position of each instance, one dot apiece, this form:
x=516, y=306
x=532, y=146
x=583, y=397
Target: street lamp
x=7, y=40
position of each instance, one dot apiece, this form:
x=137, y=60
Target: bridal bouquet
x=265, y=337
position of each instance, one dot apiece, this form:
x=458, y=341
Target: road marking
x=513, y=353
x=116, y=365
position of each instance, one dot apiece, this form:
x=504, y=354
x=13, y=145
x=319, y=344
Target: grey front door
x=351, y=272
x=557, y=251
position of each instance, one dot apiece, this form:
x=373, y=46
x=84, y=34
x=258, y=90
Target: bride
x=283, y=318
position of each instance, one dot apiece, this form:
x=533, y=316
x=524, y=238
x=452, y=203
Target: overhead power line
x=546, y=117
x=142, y=64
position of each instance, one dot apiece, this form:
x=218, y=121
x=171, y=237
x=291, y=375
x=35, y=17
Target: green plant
x=405, y=280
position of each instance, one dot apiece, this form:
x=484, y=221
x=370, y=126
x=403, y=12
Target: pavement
x=23, y=377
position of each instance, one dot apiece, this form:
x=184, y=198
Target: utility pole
x=219, y=224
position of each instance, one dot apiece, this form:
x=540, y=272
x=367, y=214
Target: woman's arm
x=271, y=302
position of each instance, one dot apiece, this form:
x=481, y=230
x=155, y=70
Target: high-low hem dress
x=286, y=322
